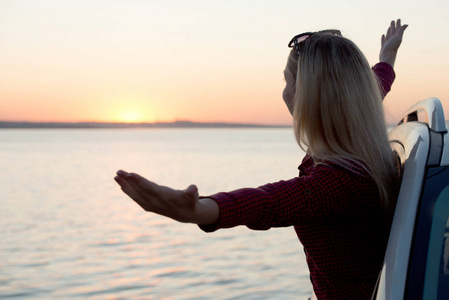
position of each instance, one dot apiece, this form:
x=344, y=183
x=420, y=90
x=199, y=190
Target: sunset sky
x=199, y=60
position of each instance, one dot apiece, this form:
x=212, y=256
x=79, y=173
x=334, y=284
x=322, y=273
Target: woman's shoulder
x=341, y=179
x=341, y=187
x=342, y=167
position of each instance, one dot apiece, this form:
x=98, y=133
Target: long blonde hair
x=338, y=113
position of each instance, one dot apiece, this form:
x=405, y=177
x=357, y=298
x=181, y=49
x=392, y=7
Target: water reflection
x=67, y=231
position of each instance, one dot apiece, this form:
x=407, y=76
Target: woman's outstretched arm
x=180, y=205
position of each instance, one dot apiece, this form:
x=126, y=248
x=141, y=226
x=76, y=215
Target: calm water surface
x=67, y=230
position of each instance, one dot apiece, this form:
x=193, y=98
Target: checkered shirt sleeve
x=290, y=202
x=385, y=76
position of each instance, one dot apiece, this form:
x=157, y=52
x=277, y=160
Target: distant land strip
x=93, y=125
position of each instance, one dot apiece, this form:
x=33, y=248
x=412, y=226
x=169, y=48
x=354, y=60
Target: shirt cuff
x=227, y=217
x=385, y=75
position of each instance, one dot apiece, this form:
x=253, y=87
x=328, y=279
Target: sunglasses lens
x=302, y=38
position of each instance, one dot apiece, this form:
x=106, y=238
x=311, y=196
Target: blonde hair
x=338, y=113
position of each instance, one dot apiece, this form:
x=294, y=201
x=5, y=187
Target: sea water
x=67, y=230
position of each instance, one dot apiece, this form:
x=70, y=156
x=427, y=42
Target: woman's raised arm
x=391, y=41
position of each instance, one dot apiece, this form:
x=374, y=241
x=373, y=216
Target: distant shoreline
x=98, y=125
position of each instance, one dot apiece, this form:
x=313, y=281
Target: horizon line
x=96, y=124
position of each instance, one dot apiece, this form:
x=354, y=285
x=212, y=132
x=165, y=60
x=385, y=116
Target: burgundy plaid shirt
x=335, y=213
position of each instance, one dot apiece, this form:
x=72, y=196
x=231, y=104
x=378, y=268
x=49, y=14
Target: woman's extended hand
x=183, y=206
x=391, y=41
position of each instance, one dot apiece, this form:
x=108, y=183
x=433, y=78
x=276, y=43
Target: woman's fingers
x=191, y=191
x=394, y=33
x=122, y=173
x=175, y=204
x=144, y=184
x=149, y=195
x=132, y=189
x=127, y=189
x=139, y=183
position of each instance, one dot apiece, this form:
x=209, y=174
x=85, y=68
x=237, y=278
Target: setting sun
x=131, y=116
x=147, y=61
x=130, y=110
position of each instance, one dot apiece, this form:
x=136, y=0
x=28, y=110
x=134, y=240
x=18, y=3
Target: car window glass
x=436, y=283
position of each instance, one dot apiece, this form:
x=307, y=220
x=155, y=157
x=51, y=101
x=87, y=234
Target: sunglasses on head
x=298, y=39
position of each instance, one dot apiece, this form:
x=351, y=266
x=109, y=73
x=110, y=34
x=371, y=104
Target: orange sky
x=194, y=60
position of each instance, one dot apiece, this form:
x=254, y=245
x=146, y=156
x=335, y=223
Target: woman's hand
x=391, y=41
x=183, y=206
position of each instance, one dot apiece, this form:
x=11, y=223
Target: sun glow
x=131, y=116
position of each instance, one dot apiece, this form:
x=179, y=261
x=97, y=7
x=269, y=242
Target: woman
x=341, y=202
